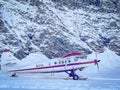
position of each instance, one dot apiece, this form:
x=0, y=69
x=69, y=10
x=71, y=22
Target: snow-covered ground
x=108, y=78
x=43, y=83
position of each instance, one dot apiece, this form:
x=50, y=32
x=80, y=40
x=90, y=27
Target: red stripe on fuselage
x=53, y=66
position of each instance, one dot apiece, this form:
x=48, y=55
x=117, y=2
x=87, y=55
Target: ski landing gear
x=73, y=75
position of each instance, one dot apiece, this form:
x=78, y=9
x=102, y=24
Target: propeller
x=96, y=63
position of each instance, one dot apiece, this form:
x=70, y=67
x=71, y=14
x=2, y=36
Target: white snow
x=107, y=78
x=40, y=83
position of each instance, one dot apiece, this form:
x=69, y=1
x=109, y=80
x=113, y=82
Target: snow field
x=38, y=82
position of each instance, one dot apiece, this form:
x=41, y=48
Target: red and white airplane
x=68, y=63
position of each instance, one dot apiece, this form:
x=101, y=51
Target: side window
x=65, y=61
x=59, y=62
x=55, y=62
x=69, y=61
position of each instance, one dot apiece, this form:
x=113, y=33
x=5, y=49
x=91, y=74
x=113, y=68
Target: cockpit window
x=83, y=57
x=76, y=58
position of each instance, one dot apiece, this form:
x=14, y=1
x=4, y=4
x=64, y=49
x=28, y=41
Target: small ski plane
x=68, y=64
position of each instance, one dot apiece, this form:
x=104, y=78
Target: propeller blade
x=98, y=67
x=96, y=63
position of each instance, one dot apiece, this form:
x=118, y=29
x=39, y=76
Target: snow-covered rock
x=57, y=27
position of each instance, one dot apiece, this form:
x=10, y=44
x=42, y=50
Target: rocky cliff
x=58, y=27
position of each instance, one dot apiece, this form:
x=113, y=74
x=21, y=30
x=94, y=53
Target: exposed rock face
x=57, y=27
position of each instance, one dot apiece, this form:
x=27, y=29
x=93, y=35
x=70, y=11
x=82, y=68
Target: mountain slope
x=56, y=27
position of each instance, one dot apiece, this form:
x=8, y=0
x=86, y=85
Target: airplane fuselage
x=54, y=65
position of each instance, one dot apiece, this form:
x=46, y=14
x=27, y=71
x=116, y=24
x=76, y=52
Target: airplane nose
x=98, y=60
x=96, y=63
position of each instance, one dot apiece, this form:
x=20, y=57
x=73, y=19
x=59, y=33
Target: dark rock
x=3, y=29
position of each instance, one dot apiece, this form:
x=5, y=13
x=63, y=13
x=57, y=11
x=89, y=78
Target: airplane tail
x=8, y=61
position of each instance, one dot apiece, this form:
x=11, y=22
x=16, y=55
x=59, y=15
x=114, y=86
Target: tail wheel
x=13, y=75
x=75, y=77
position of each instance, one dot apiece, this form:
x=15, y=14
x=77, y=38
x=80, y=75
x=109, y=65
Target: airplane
x=68, y=64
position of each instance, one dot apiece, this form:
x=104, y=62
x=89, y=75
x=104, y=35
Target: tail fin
x=8, y=61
